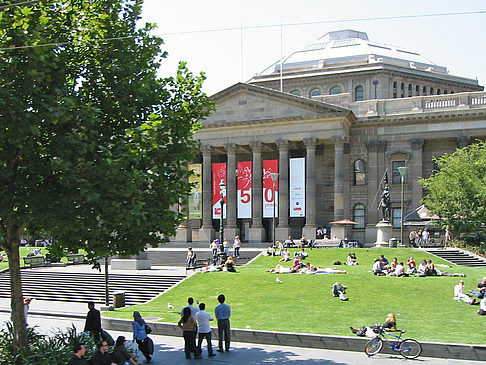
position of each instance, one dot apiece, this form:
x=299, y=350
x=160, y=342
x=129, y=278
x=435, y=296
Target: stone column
x=257, y=232
x=415, y=172
x=184, y=231
x=373, y=182
x=338, y=177
x=231, y=229
x=283, y=230
x=309, y=229
x=206, y=232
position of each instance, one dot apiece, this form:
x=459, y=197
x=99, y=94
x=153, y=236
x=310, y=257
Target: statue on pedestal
x=385, y=203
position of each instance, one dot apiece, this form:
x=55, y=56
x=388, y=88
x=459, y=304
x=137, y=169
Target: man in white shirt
x=203, y=318
x=193, y=309
x=459, y=294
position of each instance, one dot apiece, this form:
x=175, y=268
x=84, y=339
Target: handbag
x=148, y=330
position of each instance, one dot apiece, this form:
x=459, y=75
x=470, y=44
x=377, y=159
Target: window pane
x=335, y=90
x=314, y=92
x=358, y=93
x=359, y=216
x=397, y=217
x=396, y=178
x=359, y=172
x=296, y=92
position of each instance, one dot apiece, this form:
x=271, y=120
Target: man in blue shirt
x=223, y=313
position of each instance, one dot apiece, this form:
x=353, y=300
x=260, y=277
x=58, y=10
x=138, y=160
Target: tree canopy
x=93, y=144
x=456, y=192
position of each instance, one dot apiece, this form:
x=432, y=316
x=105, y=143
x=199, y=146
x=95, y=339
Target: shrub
x=42, y=349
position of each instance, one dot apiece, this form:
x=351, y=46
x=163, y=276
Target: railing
x=440, y=103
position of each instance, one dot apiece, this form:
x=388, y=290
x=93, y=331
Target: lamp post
x=403, y=172
x=274, y=176
x=222, y=187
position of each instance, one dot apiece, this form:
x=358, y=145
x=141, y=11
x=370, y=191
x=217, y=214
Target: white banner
x=297, y=187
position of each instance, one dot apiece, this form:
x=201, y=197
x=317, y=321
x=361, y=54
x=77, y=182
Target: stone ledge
x=429, y=349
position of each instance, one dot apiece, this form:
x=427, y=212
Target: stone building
x=353, y=109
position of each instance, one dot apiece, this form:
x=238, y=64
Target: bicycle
x=408, y=348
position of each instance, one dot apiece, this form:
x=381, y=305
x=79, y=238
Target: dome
x=346, y=48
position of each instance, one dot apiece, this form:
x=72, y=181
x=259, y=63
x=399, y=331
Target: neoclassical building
x=330, y=119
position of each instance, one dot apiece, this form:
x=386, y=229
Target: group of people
x=195, y=322
x=459, y=295
x=119, y=354
x=382, y=266
x=419, y=238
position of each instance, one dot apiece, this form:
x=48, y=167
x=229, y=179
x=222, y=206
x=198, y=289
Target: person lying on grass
x=307, y=269
x=371, y=331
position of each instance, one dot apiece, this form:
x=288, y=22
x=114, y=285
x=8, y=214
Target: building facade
x=351, y=110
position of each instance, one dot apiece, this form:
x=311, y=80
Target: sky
x=231, y=41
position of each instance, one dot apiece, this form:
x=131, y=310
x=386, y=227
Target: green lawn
x=304, y=303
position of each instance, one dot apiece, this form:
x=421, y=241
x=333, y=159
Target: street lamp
x=274, y=176
x=403, y=172
x=222, y=186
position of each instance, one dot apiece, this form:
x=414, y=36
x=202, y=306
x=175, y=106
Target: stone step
x=458, y=257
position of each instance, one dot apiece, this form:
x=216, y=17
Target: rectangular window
x=396, y=177
x=396, y=217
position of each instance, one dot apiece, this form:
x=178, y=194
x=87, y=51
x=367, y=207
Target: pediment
x=244, y=103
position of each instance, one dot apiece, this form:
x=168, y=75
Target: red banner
x=219, y=175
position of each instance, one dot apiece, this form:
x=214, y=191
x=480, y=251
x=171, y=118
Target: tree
x=93, y=145
x=456, y=192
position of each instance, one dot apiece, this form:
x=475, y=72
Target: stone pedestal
x=183, y=234
x=340, y=231
x=383, y=234
x=206, y=235
x=309, y=232
x=282, y=233
x=231, y=232
x=257, y=235
x=135, y=262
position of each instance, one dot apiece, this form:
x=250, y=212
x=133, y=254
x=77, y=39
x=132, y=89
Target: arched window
x=359, y=216
x=431, y=91
x=424, y=90
x=314, y=92
x=438, y=91
x=409, y=90
x=335, y=90
x=359, y=172
x=358, y=93
x=296, y=92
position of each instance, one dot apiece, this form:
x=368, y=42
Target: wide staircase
x=458, y=257
x=84, y=287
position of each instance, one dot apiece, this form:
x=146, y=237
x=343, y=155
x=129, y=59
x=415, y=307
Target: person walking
x=189, y=327
x=203, y=327
x=140, y=334
x=93, y=322
x=236, y=247
x=223, y=313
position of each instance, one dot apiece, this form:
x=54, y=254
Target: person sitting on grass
x=482, y=289
x=296, y=265
x=393, y=265
x=459, y=294
x=422, y=268
x=352, y=260
x=378, y=267
x=285, y=256
x=399, y=270
x=270, y=251
x=338, y=290
x=431, y=271
x=229, y=264
x=301, y=255
x=411, y=266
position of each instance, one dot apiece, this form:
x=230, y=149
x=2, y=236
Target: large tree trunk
x=16, y=296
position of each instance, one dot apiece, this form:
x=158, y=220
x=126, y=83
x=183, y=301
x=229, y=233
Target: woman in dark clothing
x=189, y=328
x=120, y=353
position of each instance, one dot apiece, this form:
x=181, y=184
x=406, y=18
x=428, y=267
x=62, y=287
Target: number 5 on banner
x=245, y=196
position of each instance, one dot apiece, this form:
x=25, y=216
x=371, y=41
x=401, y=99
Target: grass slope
x=304, y=303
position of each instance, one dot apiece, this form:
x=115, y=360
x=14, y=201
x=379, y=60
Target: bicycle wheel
x=410, y=349
x=373, y=346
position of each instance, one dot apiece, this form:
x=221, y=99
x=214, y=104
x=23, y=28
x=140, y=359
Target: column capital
x=417, y=143
x=282, y=144
x=310, y=142
x=376, y=146
x=256, y=146
x=206, y=149
x=230, y=148
x=338, y=140
x=463, y=141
